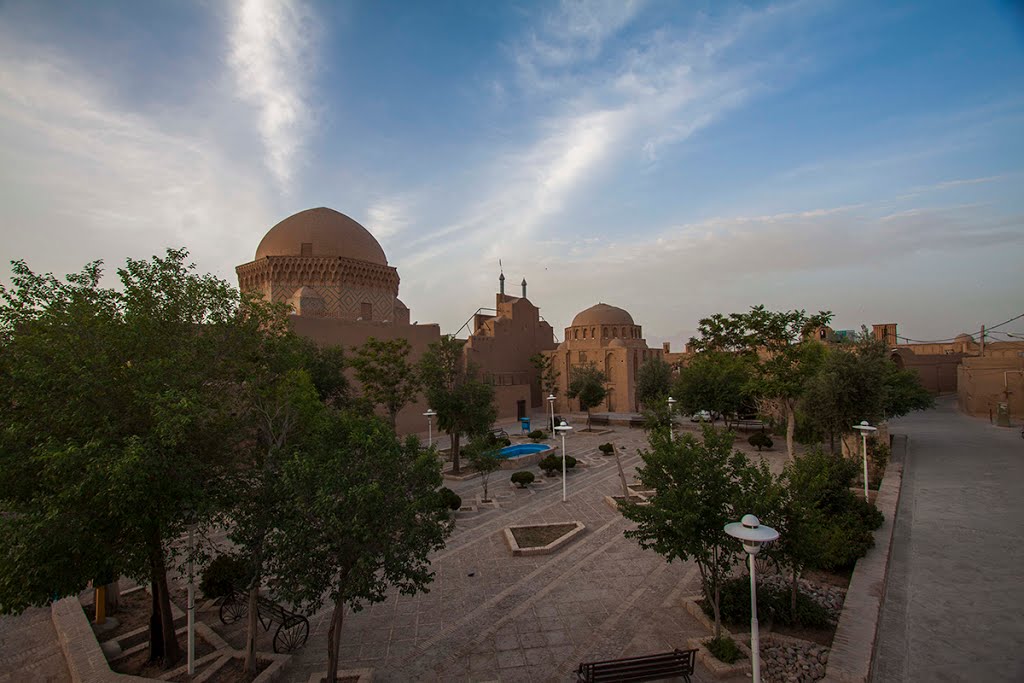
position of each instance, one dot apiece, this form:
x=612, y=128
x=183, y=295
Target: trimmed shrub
x=724, y=649
x=773, y=603
x=606, y=448
x=450, y=499
x=223, y=575
x=570, y=462
x=522, y=479
x=550, y=465
x=760, y=440
x=537, y=435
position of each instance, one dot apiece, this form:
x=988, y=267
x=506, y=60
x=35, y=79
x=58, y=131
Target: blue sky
x=675, y=159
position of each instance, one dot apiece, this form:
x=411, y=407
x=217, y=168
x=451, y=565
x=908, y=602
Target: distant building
x=608, y=337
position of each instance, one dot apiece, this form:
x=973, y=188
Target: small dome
x=617, y=342
x=327, y=232
x=963, y=337
x=602, y=314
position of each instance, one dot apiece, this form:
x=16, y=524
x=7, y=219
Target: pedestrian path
x=953, y=601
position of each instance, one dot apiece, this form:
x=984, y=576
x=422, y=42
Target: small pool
x=521, y=449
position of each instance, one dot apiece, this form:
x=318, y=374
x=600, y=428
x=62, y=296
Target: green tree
x=717, y=381
x=653, y=381
x=482, y=453
x=387, y=377
x=587, y=384
x=847, y=388
x=117, y=413
x=823, y=524
x=700, y=488
x=363, y=514
x=547, y=371
x=464, y=403
x=778, y=343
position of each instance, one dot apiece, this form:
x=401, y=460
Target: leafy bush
x=522, y=478
x=606, y=448
x=550, y=464
x=553, y=463
x=223, y=575
x=537, y=435
x=760, y=440
x=724, y=649
x=773, y=603
x=450, y=499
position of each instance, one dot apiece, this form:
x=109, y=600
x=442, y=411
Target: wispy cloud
x=95, y=180
x=273, y=56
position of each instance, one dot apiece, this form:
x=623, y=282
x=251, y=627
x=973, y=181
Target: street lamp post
x=753, y=535
x=191, y=604
x=864, y=428
x=430, y=426
x=562, y=429
x=671, y=422
x=551, y=402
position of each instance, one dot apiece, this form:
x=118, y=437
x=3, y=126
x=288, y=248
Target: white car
x=702, y=416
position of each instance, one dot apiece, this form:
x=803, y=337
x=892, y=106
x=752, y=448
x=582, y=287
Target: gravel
x=792, y=662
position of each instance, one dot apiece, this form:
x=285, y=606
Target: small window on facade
x=307, y=248
x=575, y=334
x=583, y=356
x=366, y=311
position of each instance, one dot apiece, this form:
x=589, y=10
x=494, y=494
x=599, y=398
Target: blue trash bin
x=525, y=423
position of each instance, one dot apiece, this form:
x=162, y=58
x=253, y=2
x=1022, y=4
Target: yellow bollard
x=100, y=598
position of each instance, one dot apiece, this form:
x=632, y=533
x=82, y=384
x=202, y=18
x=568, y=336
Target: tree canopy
x=363, y=514
x=464, y=403
x=587, y=384
x=717, y=381
x=653, y=381
x=117, y=406
x=386, y=376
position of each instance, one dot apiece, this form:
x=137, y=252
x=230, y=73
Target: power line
x=1016, y=317
x=988, y=329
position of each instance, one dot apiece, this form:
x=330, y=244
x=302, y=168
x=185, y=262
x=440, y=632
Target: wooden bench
x=748, y=424
x=499, y=433
x=645, y=668
x=292, y=631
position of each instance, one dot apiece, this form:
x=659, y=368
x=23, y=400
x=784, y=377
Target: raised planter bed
x=541, y=539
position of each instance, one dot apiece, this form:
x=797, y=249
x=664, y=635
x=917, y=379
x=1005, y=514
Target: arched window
x=584, y=333
x=575, y=334
x=615, y=332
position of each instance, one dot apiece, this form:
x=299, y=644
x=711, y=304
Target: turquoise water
x=521, y=449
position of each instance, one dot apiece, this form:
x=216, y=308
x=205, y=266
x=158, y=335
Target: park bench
x=748, y=424
x=292, y=630
x=645, y=668
x=637, y=421
x=599, y=420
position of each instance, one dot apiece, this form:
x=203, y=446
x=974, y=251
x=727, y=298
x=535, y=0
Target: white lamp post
x=562, y=429
x=191, y=605
x=864, y=428
x=671, y=414
x=753, y=535
x=430, y=426
x=551, y=402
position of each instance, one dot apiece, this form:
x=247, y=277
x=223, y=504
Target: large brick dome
x=323, y=232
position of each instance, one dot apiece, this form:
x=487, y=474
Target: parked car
x=702, y=416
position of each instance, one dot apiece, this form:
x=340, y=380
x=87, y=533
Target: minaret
x=524, y=287
x=501, y=283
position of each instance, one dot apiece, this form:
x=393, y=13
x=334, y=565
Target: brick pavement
x=524, y=618
x=29, y=649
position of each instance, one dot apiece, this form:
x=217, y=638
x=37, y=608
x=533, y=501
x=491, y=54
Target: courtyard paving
x=491, y=616
x=953, y=600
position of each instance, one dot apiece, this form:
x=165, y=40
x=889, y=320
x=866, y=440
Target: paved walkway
x=954, y=603
x=29, y=650
x=490, y=616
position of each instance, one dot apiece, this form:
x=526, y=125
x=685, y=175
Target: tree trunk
x=250, y=628
x=588, y=419
x=622, y=475
x=334, y=640
x=393, y=414
x=455, y=452
x=163, y=643
x=718, y=616
x=790, y=427
x=113, y=597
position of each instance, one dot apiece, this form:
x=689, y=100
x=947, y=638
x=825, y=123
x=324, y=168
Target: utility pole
x=983, y=340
